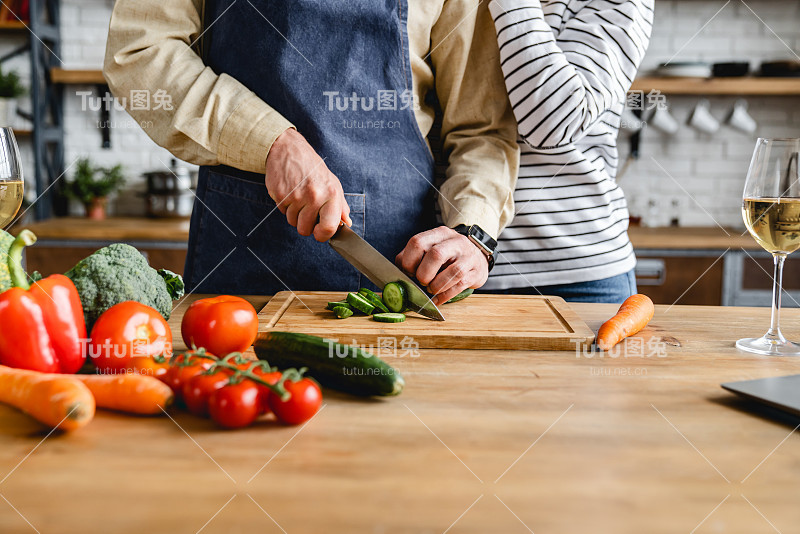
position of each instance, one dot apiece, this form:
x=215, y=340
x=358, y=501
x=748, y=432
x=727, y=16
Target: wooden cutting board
x=509, y=322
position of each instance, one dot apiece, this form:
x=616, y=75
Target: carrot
x=633, y=315
x=132, y=393
x=55, y=400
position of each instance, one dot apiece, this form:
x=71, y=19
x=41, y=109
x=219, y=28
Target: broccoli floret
x=117, y=273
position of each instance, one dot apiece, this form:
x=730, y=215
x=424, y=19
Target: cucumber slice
x=461, y=296
x=343, y=312
x=394, y=296
x=359, y=303
x=389, y=317
x=332, y=305
x=373, y=298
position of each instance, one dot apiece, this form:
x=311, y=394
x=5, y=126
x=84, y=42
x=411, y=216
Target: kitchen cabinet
x=57, y=257
x=708, y=266
x=670, y=277
x=62, y=242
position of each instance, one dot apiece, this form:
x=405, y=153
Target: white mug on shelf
x=663, y=121
x=629, y=122
x=740, y=119
x=701, y=118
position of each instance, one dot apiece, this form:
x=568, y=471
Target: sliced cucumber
x=332, y=305
x=394, y=296
x=389, y=317
x=343, y=312
x=461, y=296
x=359, y=303
x=373, y=298
x=343, y=367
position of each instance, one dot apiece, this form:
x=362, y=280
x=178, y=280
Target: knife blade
x=380, y=270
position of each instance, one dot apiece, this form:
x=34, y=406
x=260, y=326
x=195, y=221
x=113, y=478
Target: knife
x=381, y=271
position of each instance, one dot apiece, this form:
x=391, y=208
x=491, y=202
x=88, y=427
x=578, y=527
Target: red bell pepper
x=41, y=327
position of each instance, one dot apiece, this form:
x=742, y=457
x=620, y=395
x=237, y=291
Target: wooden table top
x=144, y=229
x=479, y=442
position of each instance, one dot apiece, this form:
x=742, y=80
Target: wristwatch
x=481, y=239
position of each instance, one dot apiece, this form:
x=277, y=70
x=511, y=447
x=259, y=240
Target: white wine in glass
x=771, y=212
x=12, y=184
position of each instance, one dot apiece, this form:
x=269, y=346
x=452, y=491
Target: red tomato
x=148, y=366
x=177, y=375
x=304, y=403
x=270, y=377
x=125, y=331
x=234, y=406
x=199, y=388
x=221, y=324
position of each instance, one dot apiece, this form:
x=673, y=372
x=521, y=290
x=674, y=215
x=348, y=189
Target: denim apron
x=299, y=56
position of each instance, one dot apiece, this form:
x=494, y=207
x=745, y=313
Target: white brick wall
x=704, y=170
x=711, y=169
x=129, y=144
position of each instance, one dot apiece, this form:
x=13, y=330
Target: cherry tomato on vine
x=246, y=365
x=198, y=389
x=234, y=406
x=178, y=373
x=270, y=377
x=305, y=401
x=222, y=324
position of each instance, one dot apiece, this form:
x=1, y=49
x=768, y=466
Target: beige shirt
x=216, y=120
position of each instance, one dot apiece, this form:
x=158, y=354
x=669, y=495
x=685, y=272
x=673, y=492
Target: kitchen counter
x=690, y=238
x=479, y=442
x=112, y=229
x=671, y=259
x=144, y=229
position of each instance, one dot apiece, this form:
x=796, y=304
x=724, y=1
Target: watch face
x=476, y=234
x=483, y=237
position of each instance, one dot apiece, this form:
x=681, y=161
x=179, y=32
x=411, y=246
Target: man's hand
x=303, y=187
x=461, y=263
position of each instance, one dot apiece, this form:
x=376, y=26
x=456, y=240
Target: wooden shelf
x=720, y=86
x=75, y=76
x=19, y=132
x=15, y=25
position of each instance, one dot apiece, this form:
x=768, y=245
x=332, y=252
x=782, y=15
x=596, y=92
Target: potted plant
x=10, y=88
x=91, y=186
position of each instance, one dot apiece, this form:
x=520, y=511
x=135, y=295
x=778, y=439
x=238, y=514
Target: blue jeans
x=612, y=290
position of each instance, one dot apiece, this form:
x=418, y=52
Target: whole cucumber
x=334, y=365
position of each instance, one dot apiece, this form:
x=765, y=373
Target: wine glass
x=12, y=185
x=771, y=212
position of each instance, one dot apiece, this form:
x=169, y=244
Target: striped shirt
x=568, y=66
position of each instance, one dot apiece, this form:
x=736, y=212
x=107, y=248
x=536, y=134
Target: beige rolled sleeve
x=213, y=119
x=479, y=129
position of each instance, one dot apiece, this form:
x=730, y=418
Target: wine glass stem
x=777, y=287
